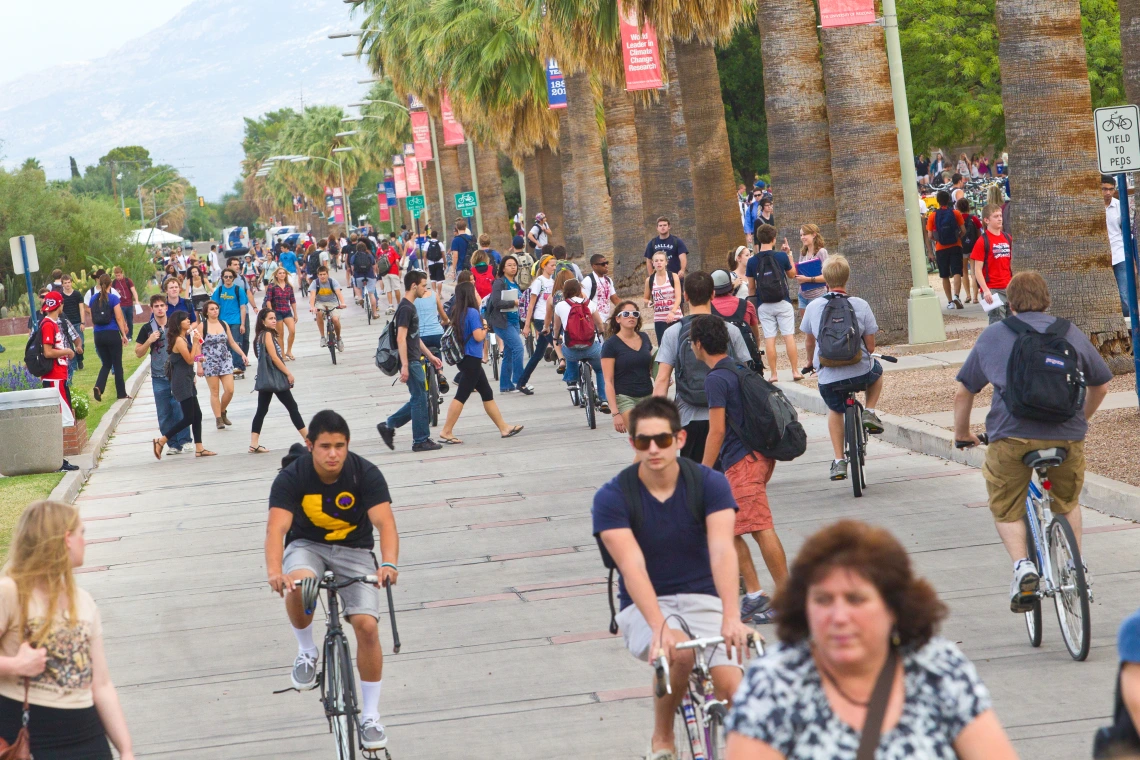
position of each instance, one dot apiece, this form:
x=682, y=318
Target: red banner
x=412, y=165
x=338, y=205
x=452, y=129
x=382, y=206
x=401, y=181
x=846, y=12
x=639, y=51
x=421, y=135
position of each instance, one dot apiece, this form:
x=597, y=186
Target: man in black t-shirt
x=73, y=309
x=322, y=509
x=673, y=246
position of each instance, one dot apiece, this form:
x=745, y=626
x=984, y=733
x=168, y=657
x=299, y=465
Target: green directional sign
x=466, y=201
x=467, y=212
x=415, y=203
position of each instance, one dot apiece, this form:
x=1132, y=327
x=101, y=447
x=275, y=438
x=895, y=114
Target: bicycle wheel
x=853, y=439
x=714, y=733
x=340, y=700
x=1072, y=594
x=433, y=396
x=368, y=307
x=330, y=332
x=589, y=395
x=1034, y=623
x=495, y=357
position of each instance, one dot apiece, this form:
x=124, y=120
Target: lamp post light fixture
x=347, y=134
x=353, y=118
x=350, y=55
x=345, y=149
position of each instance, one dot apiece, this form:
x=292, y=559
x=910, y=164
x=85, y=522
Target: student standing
x=152, y=339
x=128, y=297
x=73, y=311
x=676, y=252
x=110, y=337
x=992, y=259
x=1115, y=239
x=809, y=268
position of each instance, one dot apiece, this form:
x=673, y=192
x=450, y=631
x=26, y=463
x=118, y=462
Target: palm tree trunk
x=718, y=217
x=655, y=153
x=533, y=178
x=625, y=185
x=571, y=219
x=549, y=166
x=871, y=226
x=799, y=149
x=495, y=218
x=1048, y=124
x=684, y=225
x=431, y=196
x=594, y=207
x=449, y=170
x=1130, y=47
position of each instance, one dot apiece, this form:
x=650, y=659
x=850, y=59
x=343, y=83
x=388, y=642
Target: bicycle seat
x=1045, y=457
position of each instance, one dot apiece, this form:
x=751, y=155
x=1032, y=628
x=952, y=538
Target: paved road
x=501, y=602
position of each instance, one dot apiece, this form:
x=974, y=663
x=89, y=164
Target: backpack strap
x=694, y=489
x=1019, y=327
x=741, y=310
x=1059, y=328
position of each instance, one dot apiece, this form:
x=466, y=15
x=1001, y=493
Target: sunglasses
x=641, y=442
x=634, y=314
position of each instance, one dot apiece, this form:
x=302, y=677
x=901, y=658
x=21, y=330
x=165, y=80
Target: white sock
x=872, y=411
x=370, y=699
x=755, y=594
x=840, y=460
x=305, y=639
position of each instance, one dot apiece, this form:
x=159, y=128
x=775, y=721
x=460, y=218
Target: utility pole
x=441, y=224
x=475, y=184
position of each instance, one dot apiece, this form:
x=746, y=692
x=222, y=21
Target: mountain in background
x=182, y=90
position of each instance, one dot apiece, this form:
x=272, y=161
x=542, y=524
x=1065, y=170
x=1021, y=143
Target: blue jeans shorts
x=835, y=394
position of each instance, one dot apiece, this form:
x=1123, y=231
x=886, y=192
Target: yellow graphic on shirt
x=338, y=529
x=324, y=291
x=68, y=667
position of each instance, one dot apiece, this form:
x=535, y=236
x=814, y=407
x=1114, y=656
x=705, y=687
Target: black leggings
x=473, y=378
x=286, y=398
x=109, y=347
x=191, y=418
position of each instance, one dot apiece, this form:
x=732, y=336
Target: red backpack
x=579, y=325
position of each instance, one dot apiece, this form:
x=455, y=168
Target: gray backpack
x=388, y=352
x=840, y=339
x=691, y=372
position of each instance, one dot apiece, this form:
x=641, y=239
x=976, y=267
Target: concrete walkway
x=501, y=603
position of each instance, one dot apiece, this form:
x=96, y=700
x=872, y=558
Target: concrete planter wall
x=31, y=432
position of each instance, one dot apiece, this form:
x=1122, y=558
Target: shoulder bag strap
x=877, y=709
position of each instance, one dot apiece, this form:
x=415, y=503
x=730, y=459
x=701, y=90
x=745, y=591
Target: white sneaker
x=324, y=341
x=339, y=345
x=1023, y=590
x=372, y=735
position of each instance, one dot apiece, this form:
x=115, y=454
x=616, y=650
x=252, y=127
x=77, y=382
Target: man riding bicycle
x=364, y=277
x=675, y=573
x=1011, y=437
x=322, y=509
x=326, y=292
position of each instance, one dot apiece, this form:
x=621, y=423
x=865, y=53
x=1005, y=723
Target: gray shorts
x=345, y=561
x=702, y=612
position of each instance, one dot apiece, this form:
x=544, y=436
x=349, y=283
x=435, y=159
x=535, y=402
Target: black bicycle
x=434, y=397
x=584, y=393
x=495, y=355
x=330, y=329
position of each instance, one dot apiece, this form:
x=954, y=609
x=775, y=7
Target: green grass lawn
x=15, y=495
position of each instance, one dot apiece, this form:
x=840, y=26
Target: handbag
x=268, y=378
x=21, y=749
x=877, y=709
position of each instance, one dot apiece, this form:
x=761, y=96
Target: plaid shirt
x=280, y=298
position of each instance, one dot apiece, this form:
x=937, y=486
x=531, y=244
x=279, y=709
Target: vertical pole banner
x=846, y=12
x=555, y=85
x=413, y=175
x=421, y=135
x=328, y=197
x=382, y=203
x=452, y=129
x=639, y=52
x=398, y=175
x=338, y=205
x=390, y=191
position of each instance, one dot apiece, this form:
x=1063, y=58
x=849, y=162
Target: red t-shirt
x=997, y=266
x=727, y=305
x=53, y=336
x=123, y=288
x=393, y=260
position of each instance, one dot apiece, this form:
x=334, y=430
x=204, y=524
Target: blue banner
x=390, y=191
x=555, y=85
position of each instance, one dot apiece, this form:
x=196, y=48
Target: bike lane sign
x=1117, y=139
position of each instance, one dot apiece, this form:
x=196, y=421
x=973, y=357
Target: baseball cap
x=52, y=301
x=539, y=216
x=722, y=282
x=760, y=184
x=518, y=242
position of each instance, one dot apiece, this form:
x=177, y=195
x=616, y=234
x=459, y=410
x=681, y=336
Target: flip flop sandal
x=514, y=431
x=258, y=450
x=205, y=453
x=157, y=448
x=451, y=441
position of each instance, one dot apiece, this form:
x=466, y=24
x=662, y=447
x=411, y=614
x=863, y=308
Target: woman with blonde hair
x=809, y=268
x=51, y=645
x=281, y=298
x=738, y=270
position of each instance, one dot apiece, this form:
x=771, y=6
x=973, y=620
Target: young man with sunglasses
x=599, y=287
x=675, y=572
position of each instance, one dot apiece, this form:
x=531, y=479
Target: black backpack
x=362, y=263
x=388, y=351
x=771, y=425
x=314, y=262
x=737, y=318
x=771, y=282
x=946, y=227
x=971, y=235
x=840, y=339
x=691, y=372
x=1043, y=380
x=434, y=251
x=101, y=310
x=38, y=365
x=630, y=486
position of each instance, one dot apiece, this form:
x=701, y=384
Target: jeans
x=510, y=373
x=1121, y=272
x=129, y=318
x=242, y=339
x=541, y=341
x=109, y=347
x=416, y=409
x=592, y=354
x=169, y=410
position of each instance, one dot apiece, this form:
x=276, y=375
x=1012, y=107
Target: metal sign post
x=26, y=262
x=1130, y=266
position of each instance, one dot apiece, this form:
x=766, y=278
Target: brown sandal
x=157, y=448
x=205, y=453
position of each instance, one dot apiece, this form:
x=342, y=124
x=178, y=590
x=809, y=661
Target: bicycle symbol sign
x=1117, y=139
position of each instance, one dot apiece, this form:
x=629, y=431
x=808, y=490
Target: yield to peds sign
x=1117, y=139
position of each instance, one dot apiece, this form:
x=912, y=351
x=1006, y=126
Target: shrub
x=15, y=377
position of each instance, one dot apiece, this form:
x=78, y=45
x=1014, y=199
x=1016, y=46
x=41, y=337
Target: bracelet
x=389, y=564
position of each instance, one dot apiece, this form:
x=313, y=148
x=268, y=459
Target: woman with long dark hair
x=627, y=362
x=281, y=298
x=217, y=365
x=185, y=349
x=273, y=379
x=198, y=288
x=110, y=336
x=471, y=329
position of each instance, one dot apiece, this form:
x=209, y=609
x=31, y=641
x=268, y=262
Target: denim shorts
x=834, y=394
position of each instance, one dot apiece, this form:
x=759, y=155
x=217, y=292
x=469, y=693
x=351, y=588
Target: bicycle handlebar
x=982, y=438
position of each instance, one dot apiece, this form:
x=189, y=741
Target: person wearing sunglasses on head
x=627, y=362
x=675, y=553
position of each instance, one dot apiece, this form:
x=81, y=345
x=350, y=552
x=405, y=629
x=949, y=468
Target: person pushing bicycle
x=322, y=509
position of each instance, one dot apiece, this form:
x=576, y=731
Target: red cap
x=52, y=301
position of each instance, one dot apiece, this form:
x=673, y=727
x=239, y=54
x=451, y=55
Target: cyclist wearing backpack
x=768, y=274
x=675, y=351
x=992, y=258
x=1034, y=406
x=840, y=332
x=946, y=228
x=666, y=524
x=577, y=320
x=747, y=470
x=363, y=265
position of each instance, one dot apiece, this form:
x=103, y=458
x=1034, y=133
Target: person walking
x=217, y=365
x=992, y=258
x=767, y=275
x=1115, y=239
x=51, y=645
x=197, y=288
x=598, y=286
x=503, y=318
x=461, y=248
x=471, y=328
x=233, y=302
x=539, y=233
x=946, y=227
x=809, y=268
x=627, y=362
x=541, y=289
x=73, y=310
x=273, y=379
x=174, y=300
x=283, y=301
x=577, y=322
x=110, y=336
x=184, y=352
x=676, y=252
x=152, y=339
x=128, y=297
x=57, y=349
x=663, y=291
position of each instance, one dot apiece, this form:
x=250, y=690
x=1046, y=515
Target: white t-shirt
x=562, y=309
x=541, y=287
x=1115, y=236
x=324, y=257
x=601, y=299
x=539, y=233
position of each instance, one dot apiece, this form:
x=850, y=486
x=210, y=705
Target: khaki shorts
x=345, y=561
x=703, y=614
x=626, y=403
x=392, y=282
x=1007, y=479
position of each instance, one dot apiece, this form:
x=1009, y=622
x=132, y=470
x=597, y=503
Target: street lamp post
x=340, y=169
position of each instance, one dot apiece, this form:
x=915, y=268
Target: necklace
x=831, y=680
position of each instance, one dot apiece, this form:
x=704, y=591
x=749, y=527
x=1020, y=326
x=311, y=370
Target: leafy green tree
x=130, y=154
x=742, y=88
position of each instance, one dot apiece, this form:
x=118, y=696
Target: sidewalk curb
x=88, y=459
x=1110, y=497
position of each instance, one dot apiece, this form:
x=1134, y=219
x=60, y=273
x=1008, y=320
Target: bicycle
x=1117, y=121
x=434, y=397
x=330, y=329
x=1052, y=545
x=700, y=717
x=495, y=355
x=584, y=393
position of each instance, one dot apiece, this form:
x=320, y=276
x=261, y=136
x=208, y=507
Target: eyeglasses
x=634, y=314
x=641, y=442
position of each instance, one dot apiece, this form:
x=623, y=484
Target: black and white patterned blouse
x=782, y=703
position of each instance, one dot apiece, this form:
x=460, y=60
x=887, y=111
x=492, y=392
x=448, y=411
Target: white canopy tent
x=153, y=236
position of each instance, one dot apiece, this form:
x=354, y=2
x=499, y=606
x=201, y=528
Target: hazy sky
x=39, y=35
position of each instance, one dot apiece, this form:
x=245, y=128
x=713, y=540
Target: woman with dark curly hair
x=858, y=672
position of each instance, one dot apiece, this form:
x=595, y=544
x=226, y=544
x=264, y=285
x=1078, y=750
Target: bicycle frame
x=1040, y=519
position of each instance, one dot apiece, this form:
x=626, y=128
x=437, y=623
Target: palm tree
x=799, y=148
x=549, y=165
x=871, y=226
x=595, y=216
x=655, y=155
x=1130, y=47
x=533, y=175
x=684, y=223
x=1048, y=128
x=571, y=211
x=496, y=220
x=625, y=187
